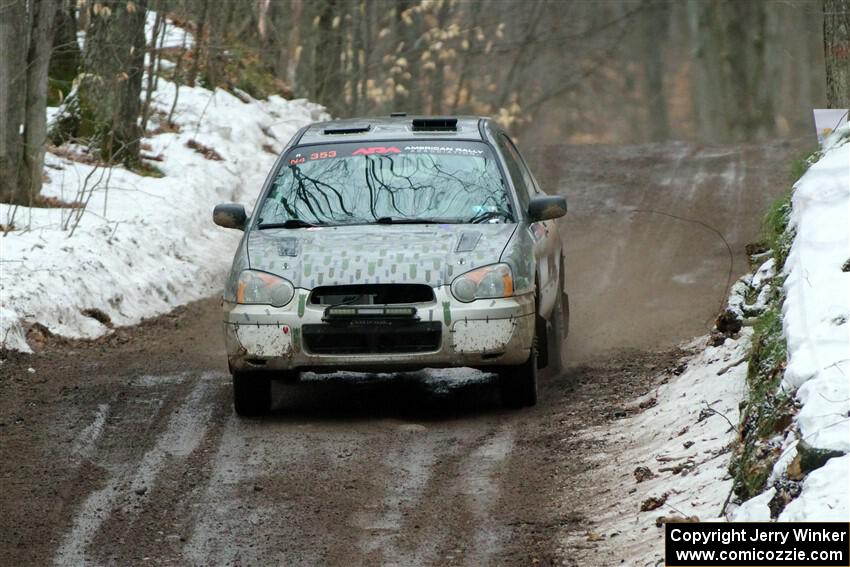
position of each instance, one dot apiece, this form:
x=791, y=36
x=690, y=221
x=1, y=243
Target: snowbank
x=816, y=312
x=144, y=245
x=816, y=325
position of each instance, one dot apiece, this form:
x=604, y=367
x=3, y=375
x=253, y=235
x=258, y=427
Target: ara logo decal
x=375, y=150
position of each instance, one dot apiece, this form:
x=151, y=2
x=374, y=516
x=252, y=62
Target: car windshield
x=397, y=182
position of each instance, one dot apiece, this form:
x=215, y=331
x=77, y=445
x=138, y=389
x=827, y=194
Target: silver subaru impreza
x=396, y=244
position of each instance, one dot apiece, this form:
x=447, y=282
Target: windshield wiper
x=394, y=220
x=487, y=216
x=289, y=223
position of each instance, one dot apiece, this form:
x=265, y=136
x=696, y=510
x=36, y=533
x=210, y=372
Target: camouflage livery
x=478, y=333
x=341, y=255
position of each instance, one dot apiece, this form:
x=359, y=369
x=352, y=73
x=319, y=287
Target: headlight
x=484, y=283
x=263, y=288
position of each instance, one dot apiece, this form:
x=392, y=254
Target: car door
x=547, y=243
x=553, y=244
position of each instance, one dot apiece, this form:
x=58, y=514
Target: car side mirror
x=545, y=207
x=230, y=215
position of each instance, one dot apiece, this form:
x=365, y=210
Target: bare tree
x=836, y=47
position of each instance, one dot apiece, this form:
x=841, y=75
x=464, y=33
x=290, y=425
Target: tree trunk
x=836, y=48
x=358, y=21
x=294, y=48
x=438, y=81
x=217, y=21
x=65, y=58
x=13, y=33
x=655, y=19
x=200, y=41
x=475, y=9
x=734, y=100
x=110, y=94
x=26, y=39
x=408, y=95
x=35, y=130
x=328, y=63
x=158, y=28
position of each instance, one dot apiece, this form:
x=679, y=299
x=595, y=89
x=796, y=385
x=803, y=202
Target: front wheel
x=252, y=393
x=518, y=384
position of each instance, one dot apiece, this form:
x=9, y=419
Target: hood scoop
x=468, y=241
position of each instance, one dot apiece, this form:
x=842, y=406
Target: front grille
x=372, y=294
x=373, y=337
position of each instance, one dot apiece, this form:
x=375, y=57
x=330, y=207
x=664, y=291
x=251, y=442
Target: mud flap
x=541, y=337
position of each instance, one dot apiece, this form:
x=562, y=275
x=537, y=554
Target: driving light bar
x=344, y=311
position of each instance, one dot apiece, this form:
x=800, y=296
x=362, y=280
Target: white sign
x=827, y=120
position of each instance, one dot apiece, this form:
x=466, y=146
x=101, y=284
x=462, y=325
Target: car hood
x=427, y=254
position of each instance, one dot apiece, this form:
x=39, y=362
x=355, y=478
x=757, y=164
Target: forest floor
x=125, y=449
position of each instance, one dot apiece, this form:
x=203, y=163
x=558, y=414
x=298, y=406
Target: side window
x=515, y=169
x=530, y=181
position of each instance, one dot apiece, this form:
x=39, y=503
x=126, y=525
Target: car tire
x=252, y=393
x=518, y=384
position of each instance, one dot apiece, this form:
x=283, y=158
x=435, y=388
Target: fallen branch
x=721, y=414
x=731, y=365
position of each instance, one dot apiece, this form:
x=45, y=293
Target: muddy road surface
x=125, y=450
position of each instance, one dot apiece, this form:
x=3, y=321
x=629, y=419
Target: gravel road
x=125, y=450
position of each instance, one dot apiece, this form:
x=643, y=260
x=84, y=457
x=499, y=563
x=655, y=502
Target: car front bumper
x=484, y=332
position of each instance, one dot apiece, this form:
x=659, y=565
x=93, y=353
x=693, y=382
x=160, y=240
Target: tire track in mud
x=252, y=483
x=408, y=470
x=182, y=434
x=351, y=499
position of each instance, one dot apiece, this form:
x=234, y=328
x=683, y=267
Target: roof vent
x=435, y=124
x=352, y=129
x=397, y=114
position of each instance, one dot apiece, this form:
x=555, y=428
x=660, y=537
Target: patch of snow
x=825, y=496
x=144, y=245
x=755, y=509
x=738, y=297
x=764, y=273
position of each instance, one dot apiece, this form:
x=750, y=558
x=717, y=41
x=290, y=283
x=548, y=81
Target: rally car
x=393, y=244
